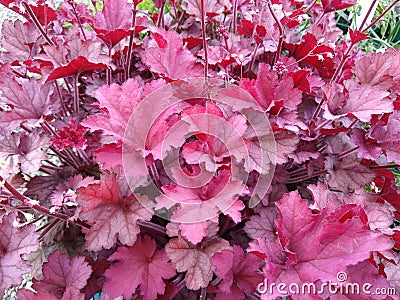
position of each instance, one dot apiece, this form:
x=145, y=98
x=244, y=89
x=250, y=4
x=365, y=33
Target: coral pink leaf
x=171, y=59
x=138, y=265
x=113, y=211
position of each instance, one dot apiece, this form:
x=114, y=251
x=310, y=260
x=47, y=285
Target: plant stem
x=31, y=203
x=367, y=15
x=203, y=33
x=78, y=19
x=130, y=46
x=37, y=23
x=310, y=7
x=345, y=153
x=386, y=167
x=76, y=94
x=381, y=15
x=149, y=225
x=234, y=16
x=281, y=33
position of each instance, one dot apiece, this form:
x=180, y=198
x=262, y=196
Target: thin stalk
x=160, y=20
x=253, y=57
x=367, y=15
x=394, y=166
x=130, y=46
x=32, y=204
x=326, y=122
x=300, y=179
x=234, y=17
x=76, y=94
x=203, y=34
x=341, y=64
x=281, y=33
x=310, y=7
x=149, y=225
x=381, y=15
x=345, y=153
x=203, y=294
x=78, y=19
x=37, y=24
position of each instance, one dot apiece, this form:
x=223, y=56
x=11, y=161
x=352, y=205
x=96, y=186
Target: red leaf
x=246, y=28
x=317, y=55
x=357, y=36
x=333, y=5
x=138, y=265
x=15, y=241
x=60, y=273
x=113, y=211
x=75, y=66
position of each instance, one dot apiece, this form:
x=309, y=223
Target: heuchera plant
x=73, y=75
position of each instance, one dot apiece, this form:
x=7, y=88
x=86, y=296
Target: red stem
x=78, y=19
x=345, y=153
x=234, y=16
x=281, y=33
x=131, y=37
x=367, y=15
x=37, y=23
x=381, y=15
x=29, y=202
x=385, y=167
x=203, y=33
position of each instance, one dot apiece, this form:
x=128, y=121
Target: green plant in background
x=384, y=34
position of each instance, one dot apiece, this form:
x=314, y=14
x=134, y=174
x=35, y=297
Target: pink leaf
x=170, y=58
x=15, y=241
x=29, y=100
x=113, y=211
x=360, y=100
x=114, y=21
x=19, y=40
x=238, y=272
x=25, y=148
x=116, y=14
x=60, y=272
x=262, y=224
x=194, y=260
x=138, y=265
